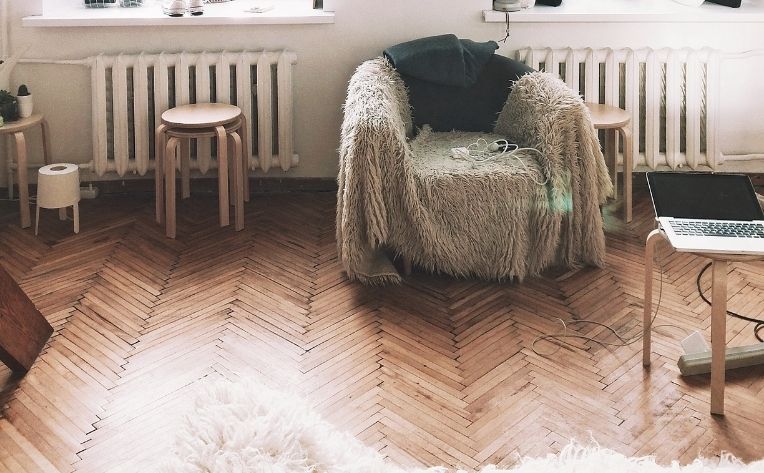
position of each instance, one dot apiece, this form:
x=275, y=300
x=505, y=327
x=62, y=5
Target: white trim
x=288, y=13
x=632, y=11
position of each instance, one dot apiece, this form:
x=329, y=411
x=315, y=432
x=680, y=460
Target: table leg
x=45, y=141
x=21, y=163
x=244, y=132
x=159, y=150
x=169, y=183
x=718, y=335
x=185, y=168
x=647, y=317
x=611, y=157
x=238, y=175
x=222, y=137
x=627, y=166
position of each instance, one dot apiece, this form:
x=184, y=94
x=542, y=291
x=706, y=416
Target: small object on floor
x=58, y=187
x=695, y=343
x=737, y=357
x=23, y=329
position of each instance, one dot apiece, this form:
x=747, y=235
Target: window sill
x=633, y=11
x=151, y=15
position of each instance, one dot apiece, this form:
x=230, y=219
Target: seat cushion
x=475, y=108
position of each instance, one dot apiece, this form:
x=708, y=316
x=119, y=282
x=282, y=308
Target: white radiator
x=130, y=92
x=672, y=95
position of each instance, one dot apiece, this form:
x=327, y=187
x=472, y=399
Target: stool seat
x=605, y=117
x=616, y=121
x=201, y=115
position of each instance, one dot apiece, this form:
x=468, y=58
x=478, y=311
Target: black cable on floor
x=759, y=323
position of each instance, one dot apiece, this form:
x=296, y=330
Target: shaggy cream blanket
x=245, y=427
x=483, y=219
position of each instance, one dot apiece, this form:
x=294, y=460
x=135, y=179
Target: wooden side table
x=616, y=121
x=720, y=267
x=17, y=129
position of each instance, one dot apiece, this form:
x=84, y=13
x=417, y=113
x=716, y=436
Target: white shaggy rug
x=246, y=427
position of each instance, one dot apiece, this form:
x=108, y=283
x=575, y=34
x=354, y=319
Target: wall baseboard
x=209, y=185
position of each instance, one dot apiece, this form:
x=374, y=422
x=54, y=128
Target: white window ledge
x=632, y=11
x=230, y=13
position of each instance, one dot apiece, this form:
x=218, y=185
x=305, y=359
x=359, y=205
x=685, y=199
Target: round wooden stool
x=17, y=129
x=616, y=121
x=180, y=125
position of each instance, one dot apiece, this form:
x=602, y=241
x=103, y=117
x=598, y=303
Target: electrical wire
x=622, y=339
x=759, y=323
x=506, y=35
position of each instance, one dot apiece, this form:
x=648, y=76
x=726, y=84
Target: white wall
x=328, y=54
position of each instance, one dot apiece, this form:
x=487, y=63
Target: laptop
x=708, y=213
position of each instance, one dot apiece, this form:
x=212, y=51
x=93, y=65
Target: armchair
x=404, y=195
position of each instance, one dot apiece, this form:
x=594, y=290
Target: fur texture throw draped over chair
x=491, y=219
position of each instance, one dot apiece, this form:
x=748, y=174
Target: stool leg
x=244, y=133
x=62, y=213
x=45, y=141
x=718, y=334
x=169, y=183
x=627, y=165
x=159, y=150
x=76, y=212
x=222, y=175
x=238, y=173
x=185, y=168
x=611, y=157
x=21, y=160
x=36, y=219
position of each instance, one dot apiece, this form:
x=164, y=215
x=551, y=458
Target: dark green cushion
x=475, y=108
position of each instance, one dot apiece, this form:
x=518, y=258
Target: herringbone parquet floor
x=436, y=371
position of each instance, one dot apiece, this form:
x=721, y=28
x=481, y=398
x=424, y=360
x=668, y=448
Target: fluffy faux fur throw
x=482, y=219
x=246, y=427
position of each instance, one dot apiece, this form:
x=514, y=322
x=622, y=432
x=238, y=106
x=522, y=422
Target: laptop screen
x=704, y=196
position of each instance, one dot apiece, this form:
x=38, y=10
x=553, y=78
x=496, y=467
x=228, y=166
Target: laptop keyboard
x=717, y=229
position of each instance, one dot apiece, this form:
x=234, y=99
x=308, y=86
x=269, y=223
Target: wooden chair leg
x=76, y=212
x=159, y=150
x=169, y=184
x=222, y=138
x=625, y=132
x=21, y=161
x=37, y=219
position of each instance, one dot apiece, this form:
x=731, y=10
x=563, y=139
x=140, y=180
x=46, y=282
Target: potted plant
x=26, y=105
x=9, y=107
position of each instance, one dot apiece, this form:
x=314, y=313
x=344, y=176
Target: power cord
x=623, y=341
x=759, y=323
x=506, y=35
x=482, y=150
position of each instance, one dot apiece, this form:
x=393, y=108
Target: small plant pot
x=9, y=111
x=26, y=105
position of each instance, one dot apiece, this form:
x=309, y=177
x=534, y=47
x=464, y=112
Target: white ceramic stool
x=58, y=187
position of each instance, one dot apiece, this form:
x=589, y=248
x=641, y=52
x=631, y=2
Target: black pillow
x=475, y=108
x=551, y=3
